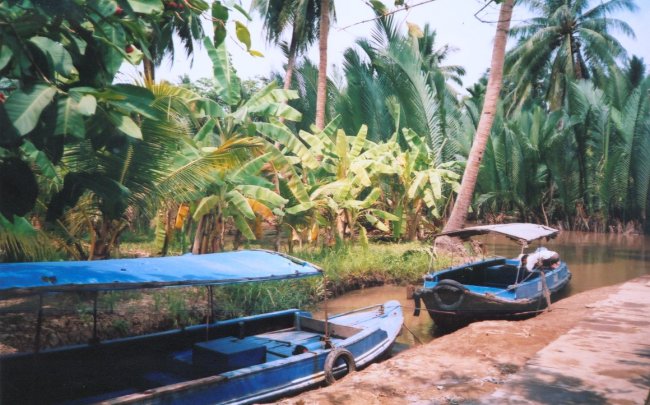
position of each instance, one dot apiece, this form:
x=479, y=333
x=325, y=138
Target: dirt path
x=463, y=366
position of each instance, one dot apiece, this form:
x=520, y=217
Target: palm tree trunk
x=149, y=70
x=321, y=90
x=291, y=60
x=459, y=212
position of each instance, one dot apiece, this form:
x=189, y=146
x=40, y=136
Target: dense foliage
x=570, y=141
x=84, y=158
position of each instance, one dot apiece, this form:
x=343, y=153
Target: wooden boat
x=496, y=287
x=243, y=360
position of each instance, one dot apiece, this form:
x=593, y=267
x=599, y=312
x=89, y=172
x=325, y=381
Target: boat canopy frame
x=207, y=270
x=522, y=233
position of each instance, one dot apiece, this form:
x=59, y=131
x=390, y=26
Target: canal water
x=595, y=260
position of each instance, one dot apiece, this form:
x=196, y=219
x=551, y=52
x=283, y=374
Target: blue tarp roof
x=120, y=274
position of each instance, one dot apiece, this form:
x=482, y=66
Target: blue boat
x=495, y=287
x=236, y=361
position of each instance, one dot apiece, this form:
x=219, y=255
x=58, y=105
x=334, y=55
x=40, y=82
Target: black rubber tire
x=452, y=286
x=331, y=360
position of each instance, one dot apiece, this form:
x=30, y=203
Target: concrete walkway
x=605, y=359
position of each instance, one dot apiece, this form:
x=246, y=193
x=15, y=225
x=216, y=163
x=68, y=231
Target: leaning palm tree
x=459, y=212
x=564, y=41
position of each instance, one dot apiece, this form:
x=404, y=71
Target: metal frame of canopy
x=41, y=278
x=522, y=233
x=19, y=279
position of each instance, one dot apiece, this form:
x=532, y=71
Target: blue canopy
x=122, y=274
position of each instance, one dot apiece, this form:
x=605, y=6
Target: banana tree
x=242, y=196
x=342, y=194
x=420, y=189
x=235, y=197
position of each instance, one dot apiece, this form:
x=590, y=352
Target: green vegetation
x=85, y=160
x=355, y=267
x=345, y=269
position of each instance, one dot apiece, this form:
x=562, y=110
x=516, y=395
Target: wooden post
x=39, y=324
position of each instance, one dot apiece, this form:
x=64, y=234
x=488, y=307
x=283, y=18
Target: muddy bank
x=462, y=366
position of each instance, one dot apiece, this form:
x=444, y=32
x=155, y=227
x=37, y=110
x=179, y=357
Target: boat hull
x=452, y=303
x=290, y=343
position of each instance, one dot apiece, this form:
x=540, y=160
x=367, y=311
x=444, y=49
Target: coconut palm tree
x=101, y=184
x=301, y=15
x=180, y=19
x=468, y=183
x=326, y=12
x=564, y=41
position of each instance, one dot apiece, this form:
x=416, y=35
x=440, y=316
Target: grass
x=346, y=268
x=353, y=267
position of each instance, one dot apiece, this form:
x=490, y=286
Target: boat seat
x=290, y=336
x=226, y=354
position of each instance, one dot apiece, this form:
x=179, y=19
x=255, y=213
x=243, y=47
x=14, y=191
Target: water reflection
x=421, y=327
x=595, y=260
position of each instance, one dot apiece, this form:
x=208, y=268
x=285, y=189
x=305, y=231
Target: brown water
x=595, y=260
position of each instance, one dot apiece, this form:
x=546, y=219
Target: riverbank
x=468, y=365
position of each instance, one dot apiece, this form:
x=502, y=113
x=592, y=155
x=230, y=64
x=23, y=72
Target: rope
x=417, y=339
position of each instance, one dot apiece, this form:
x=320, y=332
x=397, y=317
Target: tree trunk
x=105, y=237
x=321, y=90
x=464, y=199
x=198, y=236
x=413, y=222
x=291, y=60
x=149, y=70
x=100, y=248
x=340, y=225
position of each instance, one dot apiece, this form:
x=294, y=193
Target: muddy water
x=595, y=260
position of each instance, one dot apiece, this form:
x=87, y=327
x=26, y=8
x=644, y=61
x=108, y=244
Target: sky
x=453, y=20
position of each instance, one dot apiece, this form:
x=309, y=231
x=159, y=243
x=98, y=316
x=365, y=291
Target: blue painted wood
x=242, y=360
x=493, y=288
x=226, y=354
x=165, y=367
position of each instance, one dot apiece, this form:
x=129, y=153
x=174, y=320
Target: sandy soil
x=458, y=367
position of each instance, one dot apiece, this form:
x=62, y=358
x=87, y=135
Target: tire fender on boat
x=451, y=286
x=331, y=360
